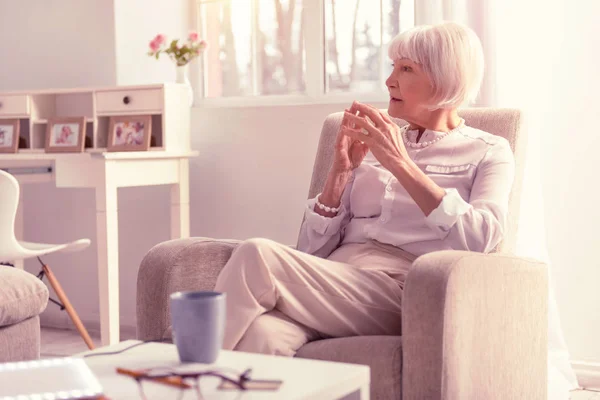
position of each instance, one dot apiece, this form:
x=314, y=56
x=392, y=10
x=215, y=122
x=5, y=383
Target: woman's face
x=411, y=91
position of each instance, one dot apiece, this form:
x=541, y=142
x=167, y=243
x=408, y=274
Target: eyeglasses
x=184, y=379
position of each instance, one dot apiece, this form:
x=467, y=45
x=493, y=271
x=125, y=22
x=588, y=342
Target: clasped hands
x=366, y=128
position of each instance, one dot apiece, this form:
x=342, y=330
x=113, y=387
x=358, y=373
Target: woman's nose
x=391, y=82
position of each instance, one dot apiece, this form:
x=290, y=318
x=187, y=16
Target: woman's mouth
x=394, y=99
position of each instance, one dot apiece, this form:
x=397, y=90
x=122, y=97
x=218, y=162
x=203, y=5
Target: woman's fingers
x=383, y=114
x=358, y=151
x=344, y=118
x=359, y=122
x=356, y=134
x=352, y=109
x=386, y=117
x=373, y=113
x=342, y=141
x=344, y=123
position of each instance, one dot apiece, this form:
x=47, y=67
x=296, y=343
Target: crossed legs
x=279, y=298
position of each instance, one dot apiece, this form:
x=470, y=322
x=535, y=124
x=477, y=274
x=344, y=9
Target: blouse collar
x=429, y=135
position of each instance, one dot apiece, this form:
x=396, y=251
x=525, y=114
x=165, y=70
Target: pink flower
x=202, y=44
x=193, y=36
x=154, y=46
x=160, y=39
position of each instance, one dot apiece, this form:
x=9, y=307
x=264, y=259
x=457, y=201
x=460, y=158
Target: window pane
x=356, y=42
x=391, y=19
x=280, y=46
x=227, y=28
x=240, y=64
x=391, y=27
x=353, y=40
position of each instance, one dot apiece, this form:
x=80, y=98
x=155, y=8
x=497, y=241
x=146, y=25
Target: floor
x=61, y=343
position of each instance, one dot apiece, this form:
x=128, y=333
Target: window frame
x=314, y=44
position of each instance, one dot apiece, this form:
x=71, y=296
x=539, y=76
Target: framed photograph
x=65, y=135
x=9, y=135
x=129, y=133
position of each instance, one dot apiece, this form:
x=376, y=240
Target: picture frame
x=129, y=133
x=9, y=135
x=65, y=135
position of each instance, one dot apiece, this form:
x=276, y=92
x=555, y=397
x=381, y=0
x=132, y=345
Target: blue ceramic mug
x=198, y=320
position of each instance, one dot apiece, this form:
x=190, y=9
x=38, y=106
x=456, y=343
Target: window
x=319, y=48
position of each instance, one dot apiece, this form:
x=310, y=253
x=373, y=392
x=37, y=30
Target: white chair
x=12, y=250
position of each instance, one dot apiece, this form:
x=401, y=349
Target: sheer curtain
x=520, y=41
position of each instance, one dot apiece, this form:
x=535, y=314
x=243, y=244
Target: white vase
x=182, y=77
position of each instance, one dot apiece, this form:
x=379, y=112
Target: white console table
x=166, y=163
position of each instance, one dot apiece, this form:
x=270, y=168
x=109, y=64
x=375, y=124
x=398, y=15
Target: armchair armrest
x=171, y=266
x=475, y=327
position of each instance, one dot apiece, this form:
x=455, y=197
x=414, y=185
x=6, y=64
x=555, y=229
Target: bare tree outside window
x=354, y=39
x=282, y=45
x=391, y=27
x=227, y=54
x=227, y=28
x=256, y=47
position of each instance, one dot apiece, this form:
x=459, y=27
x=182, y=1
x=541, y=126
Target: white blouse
x=475, y=168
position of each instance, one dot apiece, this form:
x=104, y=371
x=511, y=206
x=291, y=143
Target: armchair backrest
x=498, y=121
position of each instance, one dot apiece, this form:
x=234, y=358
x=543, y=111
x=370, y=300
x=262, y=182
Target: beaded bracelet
x=326, y=208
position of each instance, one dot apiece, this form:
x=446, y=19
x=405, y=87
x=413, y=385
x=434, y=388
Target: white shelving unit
x=167, y=162
x=164, y=102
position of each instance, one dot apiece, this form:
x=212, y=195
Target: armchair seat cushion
x=382, y=353
x=22, y=295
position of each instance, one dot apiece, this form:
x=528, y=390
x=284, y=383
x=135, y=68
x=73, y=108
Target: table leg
x=362, y=393
x=365, y=392
x=19, y=229
x=108, y=262
x=180, y=203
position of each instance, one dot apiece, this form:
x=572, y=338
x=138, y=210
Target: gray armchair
x=23, y=297
x=474, y=325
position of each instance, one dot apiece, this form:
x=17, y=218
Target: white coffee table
x=302, y=378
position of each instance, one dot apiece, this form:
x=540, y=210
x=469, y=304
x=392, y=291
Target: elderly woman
x=392, y=194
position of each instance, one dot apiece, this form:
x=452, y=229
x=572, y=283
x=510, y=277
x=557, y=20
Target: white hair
x=450, y=54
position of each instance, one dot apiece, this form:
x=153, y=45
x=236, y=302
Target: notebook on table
x=59, y=378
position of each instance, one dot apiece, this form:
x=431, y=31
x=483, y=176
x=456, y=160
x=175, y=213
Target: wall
x=252, y=176
x=552, y=72
x=74, y=43
x=570, y=180
x=136, y=23
x=50, y=44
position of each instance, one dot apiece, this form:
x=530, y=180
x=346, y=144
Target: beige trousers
x=279, y=298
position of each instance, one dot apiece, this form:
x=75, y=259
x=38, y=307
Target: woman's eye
x=404, y=68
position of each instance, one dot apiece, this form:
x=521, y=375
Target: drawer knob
x=126, y=100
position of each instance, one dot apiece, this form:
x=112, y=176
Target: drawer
x=134, y=100
x=14, y=104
